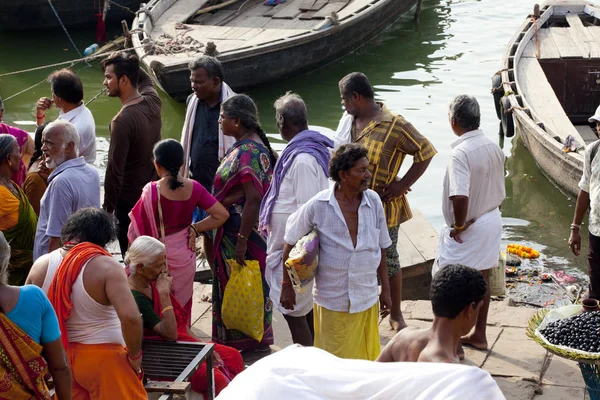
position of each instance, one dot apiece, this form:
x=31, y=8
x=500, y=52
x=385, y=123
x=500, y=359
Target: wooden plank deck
x=567, y=47
x=536, y=89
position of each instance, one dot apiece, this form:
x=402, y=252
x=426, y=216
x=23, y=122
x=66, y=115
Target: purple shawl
x=310, y=142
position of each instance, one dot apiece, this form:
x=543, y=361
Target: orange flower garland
x=522, y=251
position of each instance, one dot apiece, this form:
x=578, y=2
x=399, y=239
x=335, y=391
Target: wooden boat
x=257, y=44
x=28, y=15
x=550, y=82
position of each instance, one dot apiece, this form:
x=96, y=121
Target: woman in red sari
x=164, y=318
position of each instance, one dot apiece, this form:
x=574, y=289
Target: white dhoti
x=480, y=245
x=274, y=270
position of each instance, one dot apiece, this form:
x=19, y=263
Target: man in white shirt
x=300, y=173
x=67, y=95
x=472, y=196
x=589, y=198
x=353, y=236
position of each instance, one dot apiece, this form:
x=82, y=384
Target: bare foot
x=475, y=340
x=397, y=323
x=460, y=352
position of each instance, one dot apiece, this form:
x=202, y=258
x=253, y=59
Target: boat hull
x=21, y=15
x=279, y=62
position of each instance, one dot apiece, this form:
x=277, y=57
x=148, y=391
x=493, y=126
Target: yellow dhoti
x=348, y=335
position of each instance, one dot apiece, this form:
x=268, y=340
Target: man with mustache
x=388, y=138
x=73, y=184
x=353, y=236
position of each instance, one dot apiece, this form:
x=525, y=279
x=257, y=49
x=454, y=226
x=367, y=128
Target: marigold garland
x=522, y=251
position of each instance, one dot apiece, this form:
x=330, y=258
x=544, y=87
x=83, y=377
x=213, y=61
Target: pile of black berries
x=581, y=332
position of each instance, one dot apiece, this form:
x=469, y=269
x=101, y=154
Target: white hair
x=68, y=131
x=144, y=250
x=4, y=259
x=465, y=110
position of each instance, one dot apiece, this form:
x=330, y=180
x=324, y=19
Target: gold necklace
x=8, y=184
x=130, y=100
x=244, y=137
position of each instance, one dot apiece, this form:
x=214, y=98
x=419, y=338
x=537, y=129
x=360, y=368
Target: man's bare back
x=406, y=346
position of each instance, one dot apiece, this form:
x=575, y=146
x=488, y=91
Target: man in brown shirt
x=133, y=133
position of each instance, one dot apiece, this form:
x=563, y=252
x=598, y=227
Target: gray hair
x=291, y=108
x=212, y=66
x=144, y=250
x=4, y=260
x=464, y=109
x=7, y=143
x=68, y=130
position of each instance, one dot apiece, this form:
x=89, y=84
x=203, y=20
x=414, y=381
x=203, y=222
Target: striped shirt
x=388, y=140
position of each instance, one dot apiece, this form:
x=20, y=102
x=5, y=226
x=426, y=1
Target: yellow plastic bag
x=243, y=305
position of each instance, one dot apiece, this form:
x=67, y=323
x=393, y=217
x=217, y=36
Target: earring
x=236, y=125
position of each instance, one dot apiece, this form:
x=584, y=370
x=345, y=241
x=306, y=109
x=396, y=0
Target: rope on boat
x=64, y=28
x=511, y=109
x=100, y=93
x=129, y=10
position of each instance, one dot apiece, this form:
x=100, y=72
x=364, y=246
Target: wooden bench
x=169, y=365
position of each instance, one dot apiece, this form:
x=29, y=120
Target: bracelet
x=164, y=310
x=195, y=230
x=286, y=283
x=240, y=236
x=458, y=228
x=40, y=117
x=575, y=227
x=135, y=358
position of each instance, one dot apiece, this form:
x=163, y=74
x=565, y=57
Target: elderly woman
x=30, y=340
x=164, y=318
x=36, y=180
x=165, y=211
x=25, y=144
x=18, y=221
x=241, y=182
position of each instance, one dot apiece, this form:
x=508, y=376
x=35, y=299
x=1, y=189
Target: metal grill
x=176, y=361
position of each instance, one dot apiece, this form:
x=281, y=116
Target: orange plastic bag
x=243, y=305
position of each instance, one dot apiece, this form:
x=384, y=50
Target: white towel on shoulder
x=343, y=133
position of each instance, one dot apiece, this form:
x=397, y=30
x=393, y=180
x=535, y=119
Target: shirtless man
x=456, y=296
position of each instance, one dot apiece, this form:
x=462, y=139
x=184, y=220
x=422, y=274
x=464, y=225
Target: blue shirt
x=72, y=186
x=35, y=315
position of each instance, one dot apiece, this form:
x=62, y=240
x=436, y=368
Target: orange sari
x=22, y=367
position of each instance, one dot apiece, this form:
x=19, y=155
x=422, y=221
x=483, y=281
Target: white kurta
x=475, y=170
x=303, y=180
x=309, y=373
x=83, y=120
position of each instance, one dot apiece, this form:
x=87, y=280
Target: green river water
x=416, y=68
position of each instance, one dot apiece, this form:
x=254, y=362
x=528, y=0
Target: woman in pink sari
x=26, y=147
x=173, y=199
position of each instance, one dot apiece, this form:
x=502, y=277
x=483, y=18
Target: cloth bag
x=243, y=305
x=303, y=261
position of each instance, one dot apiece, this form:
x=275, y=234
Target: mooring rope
x=64, y=28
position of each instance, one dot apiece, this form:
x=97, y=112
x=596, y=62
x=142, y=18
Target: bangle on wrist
x=168, y=308
x=134, y=358
x=458, y=227
x=195, y=230
x=575, y=227
x=240, y=236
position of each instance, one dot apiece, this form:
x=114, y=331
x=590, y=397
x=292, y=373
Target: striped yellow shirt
x=388, y=140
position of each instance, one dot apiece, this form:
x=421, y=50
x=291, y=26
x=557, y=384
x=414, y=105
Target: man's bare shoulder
x=38, y=271
x=104, y=267
x=401, y=345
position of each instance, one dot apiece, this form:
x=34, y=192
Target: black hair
x=168, y=154
x=211, y=65
x=356, y=82
x=241, y=106
x=453, y=288
x=37, y=152
x=66, y=85
x=344, y=158
x=90, y=225
x=7, y=143
x=124, y=64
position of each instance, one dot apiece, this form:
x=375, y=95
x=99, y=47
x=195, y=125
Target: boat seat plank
x=329, y=8
x=272, y=10
x=586, y=133
x=580, y=34
x=218, y=17
x=249, y=22
x=312, y=5
x=179, y=12
x=594, y=32
x=565, y=43
x=306, y=15
x=542, y=100
x=354, y=7
x=548, y=49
